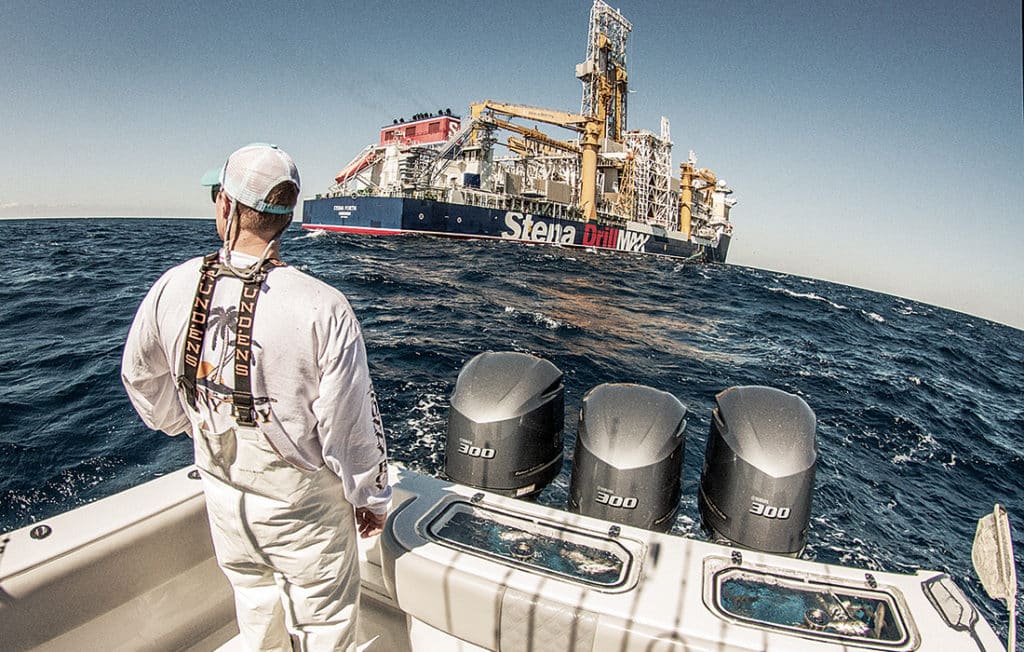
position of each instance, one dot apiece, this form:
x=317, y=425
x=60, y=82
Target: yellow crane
x=688, y=176
x=534, y=135
x=590, y=130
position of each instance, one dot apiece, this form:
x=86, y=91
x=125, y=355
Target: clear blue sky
x=878, y=144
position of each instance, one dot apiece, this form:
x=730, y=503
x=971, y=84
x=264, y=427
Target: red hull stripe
x=350, y=229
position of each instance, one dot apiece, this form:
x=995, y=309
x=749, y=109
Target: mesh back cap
x=251, y=172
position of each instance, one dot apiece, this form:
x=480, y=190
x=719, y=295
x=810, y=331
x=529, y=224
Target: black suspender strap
x=241, y=396
x=196, y=329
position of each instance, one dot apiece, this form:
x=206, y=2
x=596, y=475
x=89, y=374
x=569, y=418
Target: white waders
x=285, y=538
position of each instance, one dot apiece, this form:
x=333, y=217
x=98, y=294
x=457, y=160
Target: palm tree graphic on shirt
x=222, y=328
x=224, y=323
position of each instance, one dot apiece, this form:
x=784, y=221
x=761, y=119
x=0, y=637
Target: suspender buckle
x=245, y=409
x=188, y=386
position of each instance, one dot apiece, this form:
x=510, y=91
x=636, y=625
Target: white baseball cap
x=251, y=172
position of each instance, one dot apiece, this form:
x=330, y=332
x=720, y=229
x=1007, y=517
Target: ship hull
x=397, y=215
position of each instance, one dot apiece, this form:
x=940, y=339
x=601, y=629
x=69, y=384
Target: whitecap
x=425, y=419
x=539, y=318
x=547, y=322
x=922, y=451
x=808, y=295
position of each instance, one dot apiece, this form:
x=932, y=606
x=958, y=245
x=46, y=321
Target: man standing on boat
x=265, y=368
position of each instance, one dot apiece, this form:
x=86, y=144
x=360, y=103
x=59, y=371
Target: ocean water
x=920, y=410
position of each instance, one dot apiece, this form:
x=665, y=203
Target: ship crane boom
x=574, y=121
x=589, y=128
x=533, y=135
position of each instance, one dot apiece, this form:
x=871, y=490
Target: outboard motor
x=629, y=456
x=505, y=424
x=758, y=477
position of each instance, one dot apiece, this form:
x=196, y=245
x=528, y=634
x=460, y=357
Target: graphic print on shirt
x=212, y=388
x=381, y=480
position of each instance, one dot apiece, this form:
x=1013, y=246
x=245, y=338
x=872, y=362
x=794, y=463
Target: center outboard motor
x=629, y=456
x=505, y=424
x=758, y=477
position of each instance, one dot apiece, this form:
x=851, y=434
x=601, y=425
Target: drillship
x=492, y=177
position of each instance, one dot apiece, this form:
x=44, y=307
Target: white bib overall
x=285, y=538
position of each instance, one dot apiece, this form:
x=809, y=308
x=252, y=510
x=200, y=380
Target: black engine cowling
x=758, y=476
x=629, y=456
x=505, y=424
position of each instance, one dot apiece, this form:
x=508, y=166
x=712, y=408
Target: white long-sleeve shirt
x=311, y=385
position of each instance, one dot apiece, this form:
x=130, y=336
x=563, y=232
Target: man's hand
x=370, y=524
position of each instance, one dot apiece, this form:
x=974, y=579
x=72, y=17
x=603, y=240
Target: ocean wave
x=922, y=450
x=807, y=295
x=69, y=486
x=421, y=446
x=538, y=318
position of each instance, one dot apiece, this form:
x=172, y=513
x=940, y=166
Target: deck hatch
x=810, y=608
x=537, y=545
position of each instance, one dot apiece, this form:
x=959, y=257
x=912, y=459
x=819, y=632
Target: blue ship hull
x=396, y=215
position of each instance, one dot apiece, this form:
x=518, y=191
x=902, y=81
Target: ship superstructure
x=498, y=174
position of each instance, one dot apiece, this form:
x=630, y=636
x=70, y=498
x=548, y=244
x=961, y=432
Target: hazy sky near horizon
x=877, y=144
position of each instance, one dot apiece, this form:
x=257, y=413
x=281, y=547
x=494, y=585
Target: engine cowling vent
x=629, y=456
x=758, y=475
x=505, y=424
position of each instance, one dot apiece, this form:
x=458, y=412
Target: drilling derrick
x=604, y=72
x=645, y=180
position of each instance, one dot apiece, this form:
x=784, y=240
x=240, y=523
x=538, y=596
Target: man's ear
x=223, y=208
